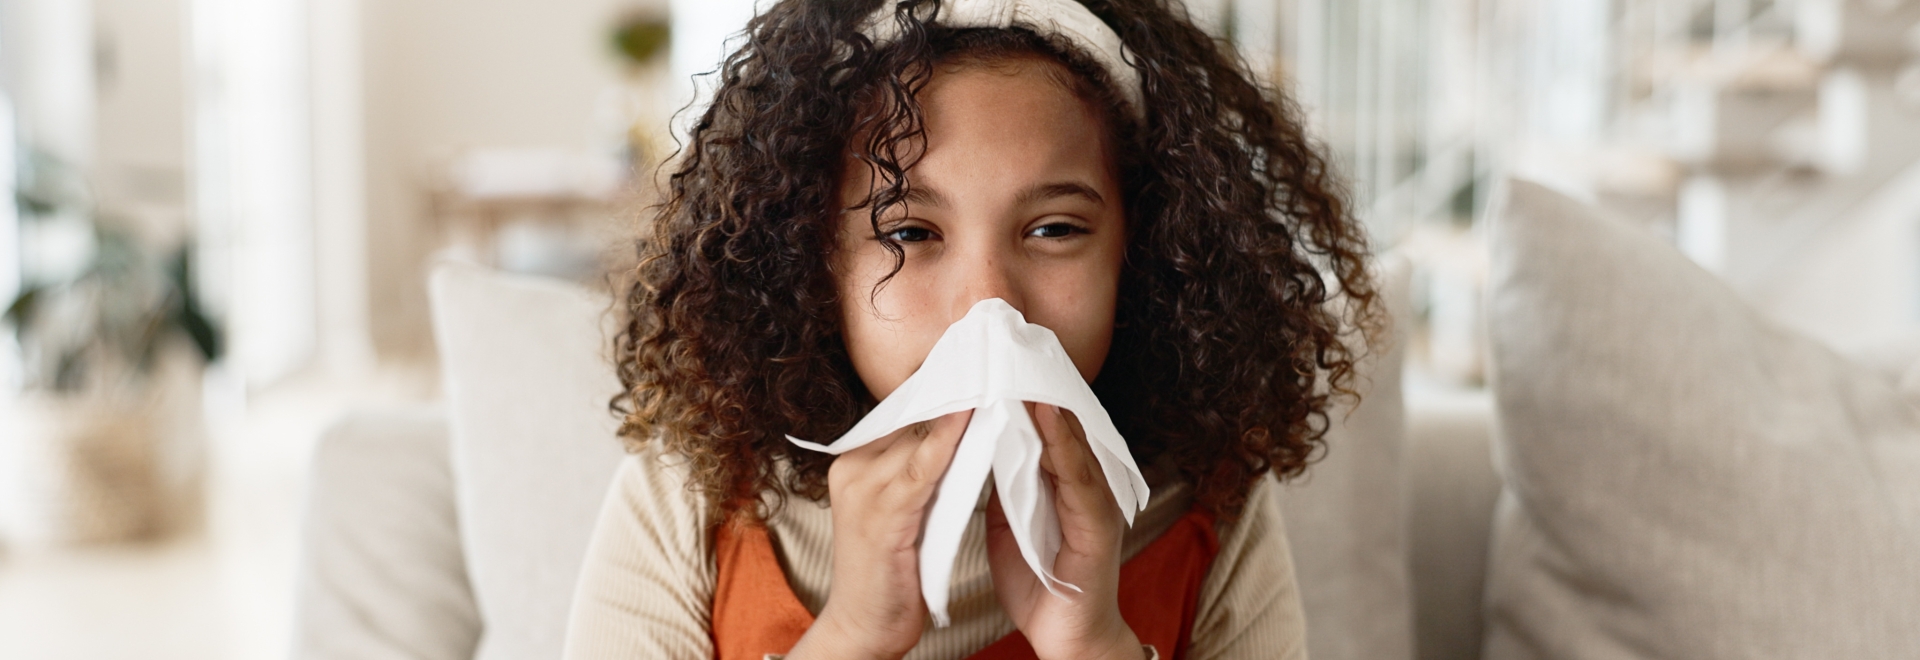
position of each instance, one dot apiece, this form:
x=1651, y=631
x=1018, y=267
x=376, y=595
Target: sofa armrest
x=381, y=572
x=1451, y=490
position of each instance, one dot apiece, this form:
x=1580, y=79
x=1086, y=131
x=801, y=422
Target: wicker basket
x=81, y=470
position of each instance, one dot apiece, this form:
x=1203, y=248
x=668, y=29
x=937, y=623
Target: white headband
x=1049, y=18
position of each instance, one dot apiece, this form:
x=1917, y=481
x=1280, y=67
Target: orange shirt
x=755, y=612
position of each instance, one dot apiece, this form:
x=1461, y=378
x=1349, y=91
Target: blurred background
x=223, y=212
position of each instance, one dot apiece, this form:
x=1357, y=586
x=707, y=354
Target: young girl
x=870, y=169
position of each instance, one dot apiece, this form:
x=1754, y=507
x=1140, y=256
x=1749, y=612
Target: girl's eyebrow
x=923, y=195
x=1041, y=192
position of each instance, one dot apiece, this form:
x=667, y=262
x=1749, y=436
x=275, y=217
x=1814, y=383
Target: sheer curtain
x=253, y=183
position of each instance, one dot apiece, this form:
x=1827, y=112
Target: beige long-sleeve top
x=646, y=590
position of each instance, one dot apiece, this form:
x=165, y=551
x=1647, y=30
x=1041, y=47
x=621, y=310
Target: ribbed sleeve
x=1250, y=602
x=646, y=589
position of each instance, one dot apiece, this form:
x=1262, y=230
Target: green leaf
x=20, y=312
x=34, y=206
x=188, y=314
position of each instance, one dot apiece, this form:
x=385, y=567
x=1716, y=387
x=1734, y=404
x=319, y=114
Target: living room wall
x=442, y=75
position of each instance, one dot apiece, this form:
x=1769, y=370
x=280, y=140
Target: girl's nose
x=986, y=274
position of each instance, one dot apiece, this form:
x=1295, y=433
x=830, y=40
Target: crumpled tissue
x=991, y=361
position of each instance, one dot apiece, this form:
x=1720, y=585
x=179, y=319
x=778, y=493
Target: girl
x=868, y=170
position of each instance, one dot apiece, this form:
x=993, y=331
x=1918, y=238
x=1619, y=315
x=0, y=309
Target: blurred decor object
x=640, y=38
x=505, y=173
x=1906, y=84
x=93, y=470
x=1448, y=283
x=529, y=210
x=1842, y=123
x=102, y=438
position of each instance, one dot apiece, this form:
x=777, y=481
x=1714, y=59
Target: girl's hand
x=880, y=495
x=1083, y=625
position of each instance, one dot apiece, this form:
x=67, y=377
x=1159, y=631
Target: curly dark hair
x=1244, y=289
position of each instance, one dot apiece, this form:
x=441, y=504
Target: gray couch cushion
x=381, y=575
x=1451, y=489
x=1345, y=522
x=1683, y=479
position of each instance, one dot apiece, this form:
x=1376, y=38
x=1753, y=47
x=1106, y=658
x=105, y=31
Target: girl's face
x=1016, y=197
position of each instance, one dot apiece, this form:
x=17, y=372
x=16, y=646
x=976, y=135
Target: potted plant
x=639, y=41
x=102, y=436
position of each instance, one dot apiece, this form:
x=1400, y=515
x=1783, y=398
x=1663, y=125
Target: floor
x=222, y=589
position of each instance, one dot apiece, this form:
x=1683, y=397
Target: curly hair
x=1244, y=287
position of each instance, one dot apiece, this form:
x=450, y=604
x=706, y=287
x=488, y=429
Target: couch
x=456, y=531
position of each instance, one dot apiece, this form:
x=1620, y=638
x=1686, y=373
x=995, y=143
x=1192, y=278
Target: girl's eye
x=910, y=235
x=1055, y=230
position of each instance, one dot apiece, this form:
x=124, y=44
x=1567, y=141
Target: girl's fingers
x=874, y=450
x=1082, y=497
x=929, y=461
x=886, y=455
x=1011, y=577
x=923, y=457
x=1066, y=454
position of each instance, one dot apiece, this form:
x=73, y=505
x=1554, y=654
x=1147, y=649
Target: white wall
x=344, y=336
x=141, y=120
x=441, y=75
x=701, y=32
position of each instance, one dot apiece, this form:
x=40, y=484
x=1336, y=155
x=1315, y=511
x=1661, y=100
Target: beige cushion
x=1344, y=516
x=534, y=446
x=1684, y=479
x=381, y=576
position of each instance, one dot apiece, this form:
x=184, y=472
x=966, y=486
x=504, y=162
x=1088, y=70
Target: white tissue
x=991, y=361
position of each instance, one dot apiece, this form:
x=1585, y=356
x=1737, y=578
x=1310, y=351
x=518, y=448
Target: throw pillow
x=1684, y=479
x=534, y=446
